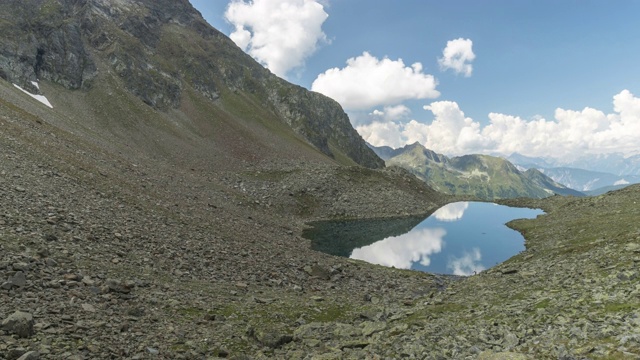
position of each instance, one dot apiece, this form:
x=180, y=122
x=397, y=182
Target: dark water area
x=461, y=238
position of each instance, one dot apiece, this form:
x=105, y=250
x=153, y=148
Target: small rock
x=21, y=266
x=88, y=308
x=508, y=271
x=18, y=279
x=489, y=355
x=319, y=272
x=271, y=338
x=51, y=263
x=19, y=323
x=44, y=252
x=51, y=237
x=14, y=354
x=31, y=355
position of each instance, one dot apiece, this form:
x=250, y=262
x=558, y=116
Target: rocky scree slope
x=116, y=257
x=104, y=258
x=163, y=51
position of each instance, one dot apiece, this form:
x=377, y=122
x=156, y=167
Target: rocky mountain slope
x=133, y=231
x=482, y=176
x=164, y=54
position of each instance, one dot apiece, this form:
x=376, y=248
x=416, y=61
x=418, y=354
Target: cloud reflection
x=402, y=251
x=451, y=212
x=468, y=264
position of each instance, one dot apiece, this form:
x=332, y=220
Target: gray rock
x=14, y=354
x=31, y=355
x=489, y=355
x=271, y=338
x=19, y=323
x=18, y=279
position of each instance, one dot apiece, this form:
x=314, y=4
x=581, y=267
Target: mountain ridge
x=130, y=232
x=160, y=50
x=484, y=176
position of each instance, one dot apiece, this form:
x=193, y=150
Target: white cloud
x=458, y=56
x=391, y=113
x=621, y=182
x=451, y=212
x=404, y=250
x=367, y=82
x=279, y=34
x=468, y=264
x=382, y=134
x=569, y=135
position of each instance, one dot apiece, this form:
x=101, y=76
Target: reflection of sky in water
x=451, y=212
x=468, y=264
x=404, y=250
x=461, y=238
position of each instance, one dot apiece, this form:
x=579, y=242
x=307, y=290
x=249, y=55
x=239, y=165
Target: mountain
x=164, y=192
x=614, y=164
x=586, y=180
x=528, y=162
x=165, y=220
x=605, y=189
x=484, y=176
x=119, y=54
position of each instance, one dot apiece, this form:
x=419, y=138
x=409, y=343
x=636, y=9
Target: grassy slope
x=482, y=176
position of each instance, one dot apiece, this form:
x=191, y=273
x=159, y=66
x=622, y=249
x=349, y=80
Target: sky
x=542, y=78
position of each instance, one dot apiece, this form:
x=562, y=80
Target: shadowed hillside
x=117, y=56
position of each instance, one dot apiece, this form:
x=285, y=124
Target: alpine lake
x=462, y=238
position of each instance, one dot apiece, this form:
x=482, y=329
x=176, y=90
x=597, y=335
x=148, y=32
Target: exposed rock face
x=38, y=43
x=158, y=49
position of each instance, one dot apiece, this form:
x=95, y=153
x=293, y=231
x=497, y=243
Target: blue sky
x=547, y=71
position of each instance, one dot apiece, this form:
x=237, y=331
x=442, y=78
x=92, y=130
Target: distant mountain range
x=615, y=164
x=484, y=176
x=582, y=176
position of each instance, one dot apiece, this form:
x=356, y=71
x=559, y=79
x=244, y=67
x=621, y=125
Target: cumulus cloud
x=382, y=134
x=468, y=264
x=451, y=212
x=368, y=82
x=279, y=34
x=569, y=135
x=458, y=56
x=384, y=127
x=404, y=250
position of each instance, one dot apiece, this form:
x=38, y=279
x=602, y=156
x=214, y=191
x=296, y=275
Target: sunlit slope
x=482, y=176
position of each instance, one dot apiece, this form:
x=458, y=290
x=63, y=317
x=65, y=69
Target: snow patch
x=40, y=98
x=621, y=182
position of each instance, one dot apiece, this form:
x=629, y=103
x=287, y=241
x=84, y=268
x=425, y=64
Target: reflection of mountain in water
x=341, y=237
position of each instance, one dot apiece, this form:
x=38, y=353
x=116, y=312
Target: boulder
x=19, y=323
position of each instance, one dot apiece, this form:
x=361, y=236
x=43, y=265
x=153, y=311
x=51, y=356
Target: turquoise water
x=461, y=238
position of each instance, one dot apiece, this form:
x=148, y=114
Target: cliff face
x=159, y=49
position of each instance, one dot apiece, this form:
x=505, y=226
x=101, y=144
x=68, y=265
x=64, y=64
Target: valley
x=156, y=210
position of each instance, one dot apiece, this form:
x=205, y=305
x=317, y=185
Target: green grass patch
x=621, y=307
x=543, y=304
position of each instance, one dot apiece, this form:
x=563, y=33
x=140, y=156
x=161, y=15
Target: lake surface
x=460, y=238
